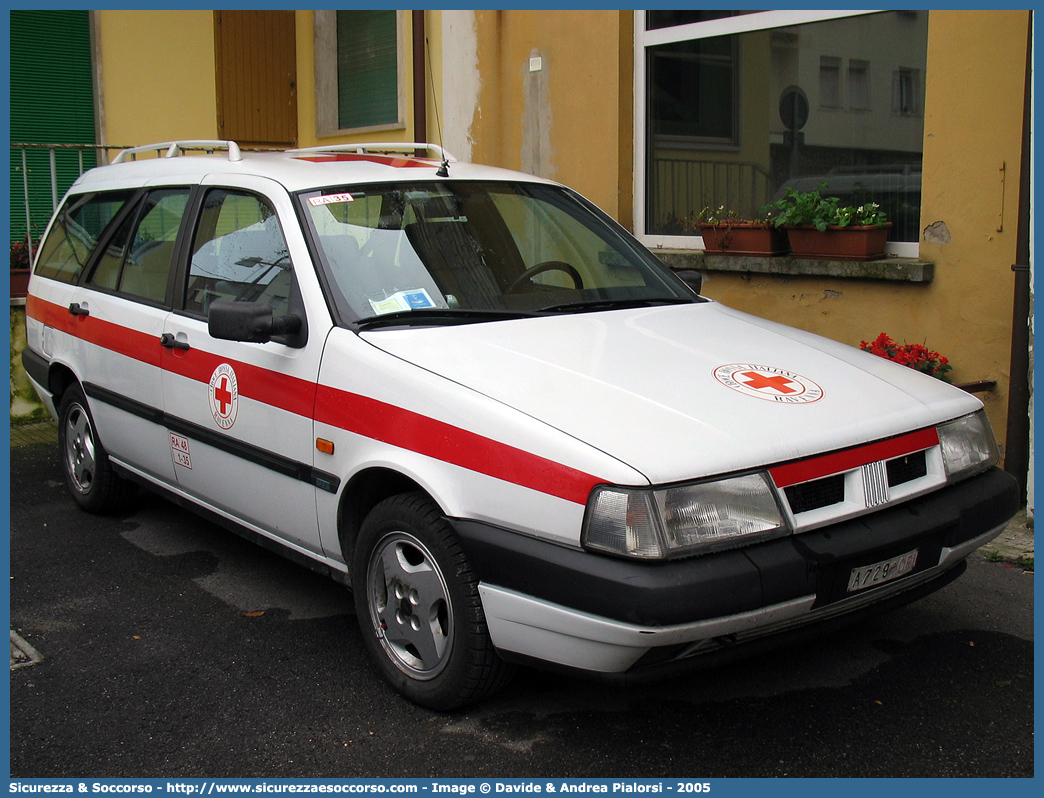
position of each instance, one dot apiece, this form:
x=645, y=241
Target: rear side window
x=75, y=233
x=137, y=260
x=238, y=254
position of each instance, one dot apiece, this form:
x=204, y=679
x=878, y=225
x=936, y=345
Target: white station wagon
x=476, y=400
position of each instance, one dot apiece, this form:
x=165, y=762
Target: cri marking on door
x=179, y=451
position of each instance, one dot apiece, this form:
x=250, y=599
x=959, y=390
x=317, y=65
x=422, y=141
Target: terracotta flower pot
x=743, y=238
x=838, y=243
x=19, y=282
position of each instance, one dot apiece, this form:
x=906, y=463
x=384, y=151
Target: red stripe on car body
x=428, y=436
x=106, y=334
x=351, y=412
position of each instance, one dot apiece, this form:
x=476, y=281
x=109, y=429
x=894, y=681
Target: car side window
x=239, y=254
x=137, y=260
x=75, y=232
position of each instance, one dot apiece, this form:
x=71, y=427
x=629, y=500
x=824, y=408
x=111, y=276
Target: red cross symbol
x=223, y=395
x=759, y=381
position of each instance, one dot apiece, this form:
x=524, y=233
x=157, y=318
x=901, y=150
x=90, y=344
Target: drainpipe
x=1016, y=453
x=420, y=106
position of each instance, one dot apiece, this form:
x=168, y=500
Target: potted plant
x=915, y=356
x=820, y=227
x=20, y=267
x=725, y=232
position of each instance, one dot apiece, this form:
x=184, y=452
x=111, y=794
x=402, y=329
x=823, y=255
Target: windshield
x=447, y=252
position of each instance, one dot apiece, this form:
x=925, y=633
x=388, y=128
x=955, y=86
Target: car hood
x=685, y=391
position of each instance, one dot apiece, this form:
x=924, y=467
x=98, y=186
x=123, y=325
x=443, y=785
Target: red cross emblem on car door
x=224, y=396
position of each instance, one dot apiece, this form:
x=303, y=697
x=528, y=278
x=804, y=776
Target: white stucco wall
x=460, y=81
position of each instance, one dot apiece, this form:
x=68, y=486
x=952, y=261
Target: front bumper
x=595, y=613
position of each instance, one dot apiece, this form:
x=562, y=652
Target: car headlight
x=968, y=445
x=684, y=520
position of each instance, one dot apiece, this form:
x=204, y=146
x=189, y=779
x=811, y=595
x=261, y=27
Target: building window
x=906, y=92
x=51, y=95
x=358, y=71
x=692, y=88
x=367, y=87
x=671, y=18
x=859, y=85
x=734, y=109
x=829, y=82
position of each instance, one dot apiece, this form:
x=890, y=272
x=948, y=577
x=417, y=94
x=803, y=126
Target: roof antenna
x=443, y=170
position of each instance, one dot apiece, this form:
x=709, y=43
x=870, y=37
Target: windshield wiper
x=616, y=304
x=447, y=316
x=439, y=316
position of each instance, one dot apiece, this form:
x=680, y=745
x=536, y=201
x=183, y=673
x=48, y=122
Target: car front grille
x=815, y=494
x=853, y=481
x=906, y=469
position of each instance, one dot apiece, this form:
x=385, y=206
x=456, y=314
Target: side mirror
x=252, y=322
x=691, y=278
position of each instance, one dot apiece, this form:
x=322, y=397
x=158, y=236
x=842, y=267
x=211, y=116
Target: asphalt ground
x=168, y=647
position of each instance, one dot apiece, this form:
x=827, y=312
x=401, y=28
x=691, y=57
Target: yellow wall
x=572, y=120
x=973, y=126
x=157, y=76
x=158, y=81
x=305, y=80
x=306, y=110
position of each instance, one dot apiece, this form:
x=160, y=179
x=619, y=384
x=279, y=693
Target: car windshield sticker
x=330, y=199
x=224, y=396
x=768, y=382
x=411, y=299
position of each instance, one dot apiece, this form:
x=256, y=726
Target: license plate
x=880, y=572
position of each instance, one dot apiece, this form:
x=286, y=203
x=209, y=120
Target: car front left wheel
x=418, y=606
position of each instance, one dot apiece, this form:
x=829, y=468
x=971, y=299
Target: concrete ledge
x=898, y=269
x=1015, y=543
x=30, y=434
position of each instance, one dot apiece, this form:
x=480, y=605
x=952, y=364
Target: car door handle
x=168, y=340
x=77, y=310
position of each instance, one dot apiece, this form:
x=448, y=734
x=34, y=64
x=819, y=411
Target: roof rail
x=175, y=148
x=407, y=147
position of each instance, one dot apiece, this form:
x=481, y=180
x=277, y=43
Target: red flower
x=916, y=356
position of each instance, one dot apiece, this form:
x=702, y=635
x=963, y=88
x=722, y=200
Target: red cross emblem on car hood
x=768, y=382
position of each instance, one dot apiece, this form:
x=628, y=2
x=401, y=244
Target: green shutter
x=52, y=102
x=367, y=69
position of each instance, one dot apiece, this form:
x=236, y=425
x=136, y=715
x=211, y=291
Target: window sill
x=355, y=131
x=908, y=270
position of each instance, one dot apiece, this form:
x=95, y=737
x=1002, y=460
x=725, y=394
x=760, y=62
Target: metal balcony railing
x=680, y=188
x=42, y=173
x=40, y=176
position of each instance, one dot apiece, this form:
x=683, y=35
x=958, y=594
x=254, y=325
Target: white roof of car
x=296, y=170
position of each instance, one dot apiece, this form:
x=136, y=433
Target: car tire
x=418, y=606
x=89, y=476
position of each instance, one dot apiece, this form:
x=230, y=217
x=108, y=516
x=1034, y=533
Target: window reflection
x=734, y=120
